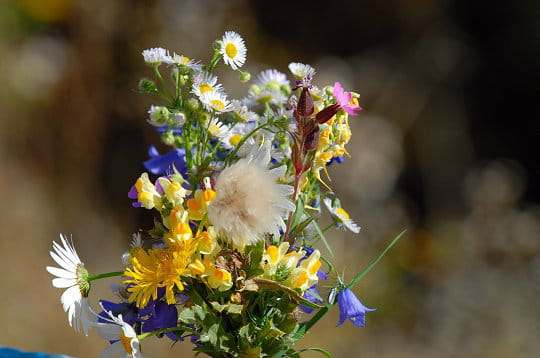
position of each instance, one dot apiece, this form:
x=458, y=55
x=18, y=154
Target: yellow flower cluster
x=333, y=137
x=185, y=253
x=282, y=266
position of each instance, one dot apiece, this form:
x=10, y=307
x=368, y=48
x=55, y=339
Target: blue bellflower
x=351, y=308
x=163, y=316
x=161, y=164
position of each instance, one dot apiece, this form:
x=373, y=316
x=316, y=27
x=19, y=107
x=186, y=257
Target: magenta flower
x=343, y=98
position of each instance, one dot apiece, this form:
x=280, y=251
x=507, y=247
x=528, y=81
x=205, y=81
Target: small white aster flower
x=216, y=101
x=217, y=129
x=249, y=202
x=73, y=276
x=181, y=60
x=205, y=82
x=155, y=56
x=272, y=79
x=301, y=70
x=127, y=344
x=341, y=216
x=242, y=113
x=233, y=50
x=235, y=134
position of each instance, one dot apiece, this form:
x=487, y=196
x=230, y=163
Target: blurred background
x=444, y=148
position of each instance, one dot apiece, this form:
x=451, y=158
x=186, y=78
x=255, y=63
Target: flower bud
x=305, y=106
x=159, y=115
x=168, y=138
x=179, y=118
x=244, y=76
x=147, y=86
x=193, y=104
x=327, y=113
x=312, y=140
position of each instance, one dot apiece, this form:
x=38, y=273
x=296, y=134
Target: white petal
x=278, y=172
x=60, y=272
x=108, y=331
x=64, y=282
x=112, y=350
x=66, y=264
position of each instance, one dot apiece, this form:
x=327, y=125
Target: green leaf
x=187, y=316
x=325, y=352
x=374, y=262
x=321, y=235
x=297, y=217
x=295, y=295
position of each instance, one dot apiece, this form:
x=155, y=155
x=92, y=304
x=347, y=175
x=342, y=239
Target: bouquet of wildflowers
x=229, y=263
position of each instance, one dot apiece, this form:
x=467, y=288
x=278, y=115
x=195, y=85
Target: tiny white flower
x=181, y=60
x=233, y=50
x=136, y=240
x=127, y=345
x=154, y=56
x=73, y=276
x=242, y=113
x=272, y=79
x=301, y=70
x=217, y=129
x=216, y=102
x=235, y=134
x=204, y=83
x=341, y=215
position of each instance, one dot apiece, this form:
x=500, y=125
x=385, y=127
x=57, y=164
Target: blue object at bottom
x=10, y=352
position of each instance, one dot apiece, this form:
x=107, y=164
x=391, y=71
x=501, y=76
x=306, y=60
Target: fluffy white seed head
x=249, y=202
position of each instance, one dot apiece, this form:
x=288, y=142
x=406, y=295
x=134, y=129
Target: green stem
x=104, y=275
x=165, y=330
x=160, y=78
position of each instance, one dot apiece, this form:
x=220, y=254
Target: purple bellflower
x=351, y=308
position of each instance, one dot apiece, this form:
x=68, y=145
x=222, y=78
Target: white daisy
x=155, y=56
x=249, y=202
x=301, y=70
x=181, y=60
x=127, y=344
x=74, y=277
x=217, y=129
x=233, y=50
x=235, y=134
x=216, y=101
x=341, y=215
x=242, y=113
x=272, y=79
x=204, y=83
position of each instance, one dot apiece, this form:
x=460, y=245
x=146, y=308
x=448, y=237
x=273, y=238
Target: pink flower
x=343, y=98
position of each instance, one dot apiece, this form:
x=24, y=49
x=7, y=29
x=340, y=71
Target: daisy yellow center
x=214, y=130
x=217, y=104
x=205, y=88
x=231, y=50
x=235, y=139
x=343, y=214
x=184, y=60
x=126, y=342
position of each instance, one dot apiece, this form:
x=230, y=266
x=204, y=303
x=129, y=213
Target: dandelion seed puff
x=249, y=202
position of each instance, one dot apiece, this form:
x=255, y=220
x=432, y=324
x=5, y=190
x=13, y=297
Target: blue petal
x=160, y=164
x=164, y=316
x=351, y=308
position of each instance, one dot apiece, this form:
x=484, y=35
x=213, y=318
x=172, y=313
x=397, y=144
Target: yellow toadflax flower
x=249, y=202
x=157, y=268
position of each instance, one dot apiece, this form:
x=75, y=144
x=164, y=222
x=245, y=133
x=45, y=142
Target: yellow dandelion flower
x=156, y=268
